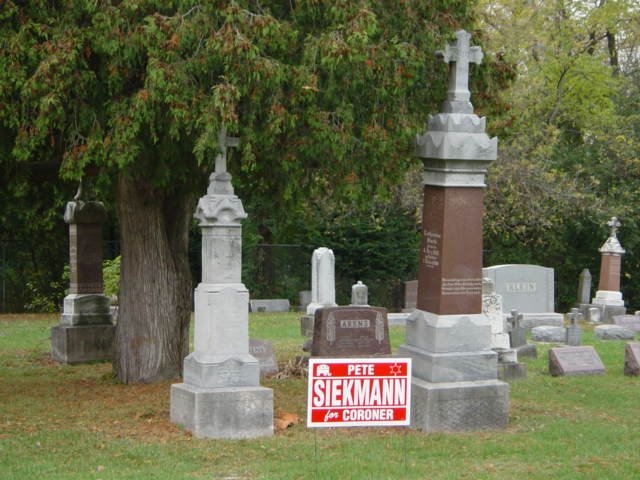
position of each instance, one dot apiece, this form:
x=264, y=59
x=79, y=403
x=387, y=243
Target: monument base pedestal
x=223, y=413
x=459, y=406
x=82, y=343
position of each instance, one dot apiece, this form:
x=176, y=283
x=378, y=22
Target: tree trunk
x=152, y=334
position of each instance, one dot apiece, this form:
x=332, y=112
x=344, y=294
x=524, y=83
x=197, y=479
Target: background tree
x=568, y=157
x=326, y=97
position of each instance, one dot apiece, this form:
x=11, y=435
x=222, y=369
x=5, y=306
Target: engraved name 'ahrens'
x=362, y=323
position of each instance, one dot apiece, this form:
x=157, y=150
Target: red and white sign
x=359, y=392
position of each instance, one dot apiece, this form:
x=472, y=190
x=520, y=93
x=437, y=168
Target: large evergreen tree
x=326, y=96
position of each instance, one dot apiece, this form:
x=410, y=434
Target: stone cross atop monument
x=220, y=179
x=459, y=55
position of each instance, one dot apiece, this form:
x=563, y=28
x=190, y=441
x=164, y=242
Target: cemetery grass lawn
x=75, y=422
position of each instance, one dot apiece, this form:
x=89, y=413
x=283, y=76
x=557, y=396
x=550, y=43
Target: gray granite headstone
x=269, y=305
x=410, y=294
x=359, y=294
x=517, y=331
x=594, y=315
x=575, y=361
x=632, y=359
x=526, y=288
x=262, y=350
x=546, y=333
x=632, y=322
x=613, y=332
x=350, y=332
x=584, y=287
x=574, y=331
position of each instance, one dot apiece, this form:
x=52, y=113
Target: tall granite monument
x=608, y=296
x=454, y=384
x=221, y=396
x=86, y=331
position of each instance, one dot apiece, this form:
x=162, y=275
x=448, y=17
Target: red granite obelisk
x=608, y=296
x=454, y=384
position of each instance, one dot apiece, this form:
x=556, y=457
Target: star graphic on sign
x=395, y=369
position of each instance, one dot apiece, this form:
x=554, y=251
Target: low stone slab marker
x=575, y=361
x=632, y=359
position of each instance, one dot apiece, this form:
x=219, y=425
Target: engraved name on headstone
x=575, y=361
x=350, y=332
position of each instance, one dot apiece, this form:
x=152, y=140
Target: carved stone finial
x=459, y=55
x=220, y=179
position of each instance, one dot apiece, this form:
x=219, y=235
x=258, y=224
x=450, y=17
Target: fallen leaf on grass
x=285, y=420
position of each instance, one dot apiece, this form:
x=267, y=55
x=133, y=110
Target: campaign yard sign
x=359, y=392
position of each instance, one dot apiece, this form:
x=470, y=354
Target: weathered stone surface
x=269, y=305
x=323, y=280
x=304, y=299
x=584, y=287
x=531, y=320
x=350, y=331
x=549, y=334
x=529, y=351
x=575, y=361
x=451, y=366
x=613, y=332
x=492, y=308
x=224, y=413
x=233, y=370
x=632, y=359
x=459, y=406
x=86, y=309
x=410, y=295
x=359, y=294
x=574, y=335
x=306, y=325
x=82, y=343
x=511, y=371
x=632, y=322
x=398, y=319
x=594, y=315
x=448, y=333
x=262, y=350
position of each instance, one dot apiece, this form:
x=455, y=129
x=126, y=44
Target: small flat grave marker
x=350, y=332
x=575, y=361
x=262, y=350
x=632, y=322
x=632, y=359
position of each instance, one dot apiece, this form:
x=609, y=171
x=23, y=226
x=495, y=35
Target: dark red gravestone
x=450, y=275
x=85, y=221
x=350, y=332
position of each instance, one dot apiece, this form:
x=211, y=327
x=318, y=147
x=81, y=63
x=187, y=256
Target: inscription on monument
x=350, y=331
x=432, y=250
x=521, y=287
x=461, y=286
